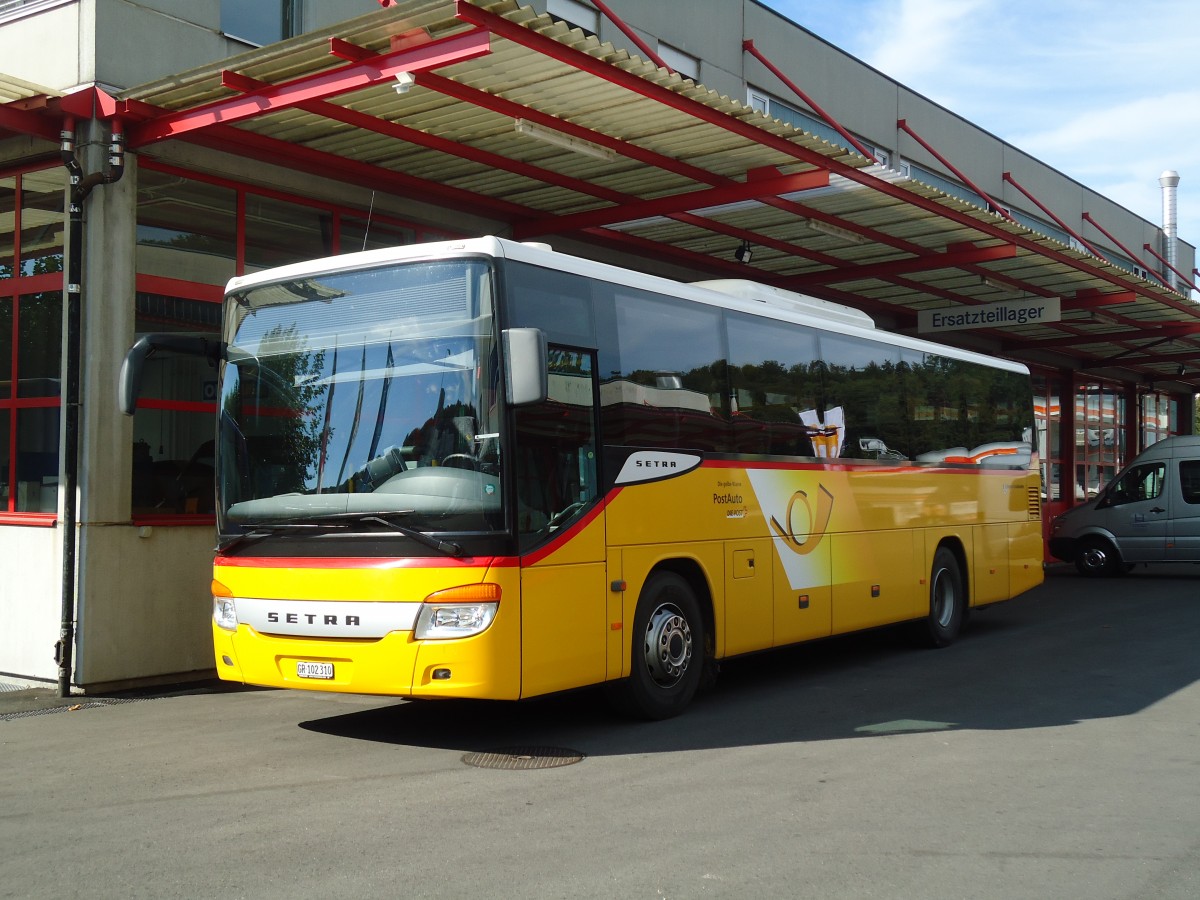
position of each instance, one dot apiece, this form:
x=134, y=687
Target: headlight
x=458, y=612
x=225, y=613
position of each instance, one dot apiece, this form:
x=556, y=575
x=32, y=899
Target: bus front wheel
x=668, y=650
x=947, y=601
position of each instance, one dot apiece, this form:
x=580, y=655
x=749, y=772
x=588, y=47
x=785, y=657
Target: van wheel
x=947, y=601
x=668, y=651
x=1097, y=558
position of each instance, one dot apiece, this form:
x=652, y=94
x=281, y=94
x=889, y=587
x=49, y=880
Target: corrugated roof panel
x=907, y=216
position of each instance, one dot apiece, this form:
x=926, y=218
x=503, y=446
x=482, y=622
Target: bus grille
x=1035, y=503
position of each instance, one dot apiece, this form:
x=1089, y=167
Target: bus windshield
x=363, y=396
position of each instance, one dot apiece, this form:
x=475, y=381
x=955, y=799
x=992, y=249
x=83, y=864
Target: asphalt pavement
x=1051, y=752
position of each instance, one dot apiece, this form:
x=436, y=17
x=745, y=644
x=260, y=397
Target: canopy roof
x=547, y=131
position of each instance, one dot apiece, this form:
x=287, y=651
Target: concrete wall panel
x=45, y=48
x=29, y=612
x=144, y=602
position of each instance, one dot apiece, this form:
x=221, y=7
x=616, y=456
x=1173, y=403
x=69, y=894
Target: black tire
x=947, y=601
x=668, y=651
x=1098, y=558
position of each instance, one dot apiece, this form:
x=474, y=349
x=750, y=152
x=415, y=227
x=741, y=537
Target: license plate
x=314, y=670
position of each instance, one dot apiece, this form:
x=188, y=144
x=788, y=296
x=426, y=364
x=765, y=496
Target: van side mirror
x=130, y=386
x=525, y=360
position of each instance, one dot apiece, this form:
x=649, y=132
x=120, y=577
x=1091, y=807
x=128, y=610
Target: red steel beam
x=632, y=209
x=501, y=27
x=1087, y=217
x=1097, y=300
x=343, y=79
x=903, y=125
x=1162, y=333
x=484, y=100
x=1007, y=176
x=951, y=259
x=1162, y=260
x=505, y=107
x=748, y=46
x=631, y=34
x=430, y=141
x=328, y=165
x=22, y=121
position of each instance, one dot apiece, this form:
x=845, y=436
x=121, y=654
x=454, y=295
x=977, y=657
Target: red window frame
x=190, y=290
x=14, y=288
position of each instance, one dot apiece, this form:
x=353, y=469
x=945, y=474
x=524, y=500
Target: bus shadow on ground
x=1071, y=650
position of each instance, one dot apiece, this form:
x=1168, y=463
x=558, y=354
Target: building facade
x=250, y=134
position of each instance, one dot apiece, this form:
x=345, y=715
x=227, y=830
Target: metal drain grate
x=523, y=758
x=75, y=707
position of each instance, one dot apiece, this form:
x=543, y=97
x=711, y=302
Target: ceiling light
x=558, y=139
x=995, y=285
x=743, y=254
x=404, y=81
x=836, y=231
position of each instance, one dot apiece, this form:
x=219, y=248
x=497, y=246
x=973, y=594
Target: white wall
x=29, y=608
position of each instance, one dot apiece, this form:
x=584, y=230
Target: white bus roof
x=736, y=294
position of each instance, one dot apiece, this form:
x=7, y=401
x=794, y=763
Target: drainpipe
x=1169, y=181
x=81, y=187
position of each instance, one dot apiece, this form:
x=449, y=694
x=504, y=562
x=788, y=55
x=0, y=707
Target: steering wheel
x=472, y=462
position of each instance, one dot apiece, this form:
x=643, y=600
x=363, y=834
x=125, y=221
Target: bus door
x=564, y=583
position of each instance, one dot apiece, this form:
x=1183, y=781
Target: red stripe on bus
x=365, y=562
x=567, y=535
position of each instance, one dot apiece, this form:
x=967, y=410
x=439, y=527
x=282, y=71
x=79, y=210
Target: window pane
x=42, y=222
x=8, y=222
x=776, y=382
x=862, y=396
x=278, y=233
x=556, y=469
x=668, y=387
x=5, y=459
x=186, y=229
x=6, y=310
x=39, y=344
x=358, y=235
x=37, y=460
x=558, y=303
x=254, y=21
x=173, y=448
x=1189, y=481
x=173, y=462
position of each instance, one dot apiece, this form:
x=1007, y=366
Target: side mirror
x=525, y=358
x=130, y=385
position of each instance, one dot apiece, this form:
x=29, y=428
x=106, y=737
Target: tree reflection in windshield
x=398, y=414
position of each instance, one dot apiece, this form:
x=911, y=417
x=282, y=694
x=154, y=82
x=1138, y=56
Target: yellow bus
x=485, y=469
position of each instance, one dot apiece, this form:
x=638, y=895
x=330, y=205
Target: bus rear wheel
x=947, y=601
x=668, y=651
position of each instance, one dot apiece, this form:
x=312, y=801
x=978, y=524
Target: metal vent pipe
x=1170, y=188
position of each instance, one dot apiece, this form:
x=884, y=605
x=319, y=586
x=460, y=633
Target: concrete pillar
x=109, y=286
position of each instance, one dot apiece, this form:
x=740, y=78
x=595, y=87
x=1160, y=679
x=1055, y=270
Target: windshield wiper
x=448, y=547
x=260, y=530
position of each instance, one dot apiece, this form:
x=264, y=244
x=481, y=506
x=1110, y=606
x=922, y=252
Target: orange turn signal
x=487, y=592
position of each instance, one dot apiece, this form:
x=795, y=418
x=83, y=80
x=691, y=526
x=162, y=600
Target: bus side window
x=556, y=451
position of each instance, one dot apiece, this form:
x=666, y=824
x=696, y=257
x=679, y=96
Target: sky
x=1105, y=91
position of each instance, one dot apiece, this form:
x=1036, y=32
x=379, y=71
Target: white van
x=1150, y=513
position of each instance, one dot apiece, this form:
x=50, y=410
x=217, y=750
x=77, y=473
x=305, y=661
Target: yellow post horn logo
x=806, y=541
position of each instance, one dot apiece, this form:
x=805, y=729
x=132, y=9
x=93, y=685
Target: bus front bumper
x=395, y=665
